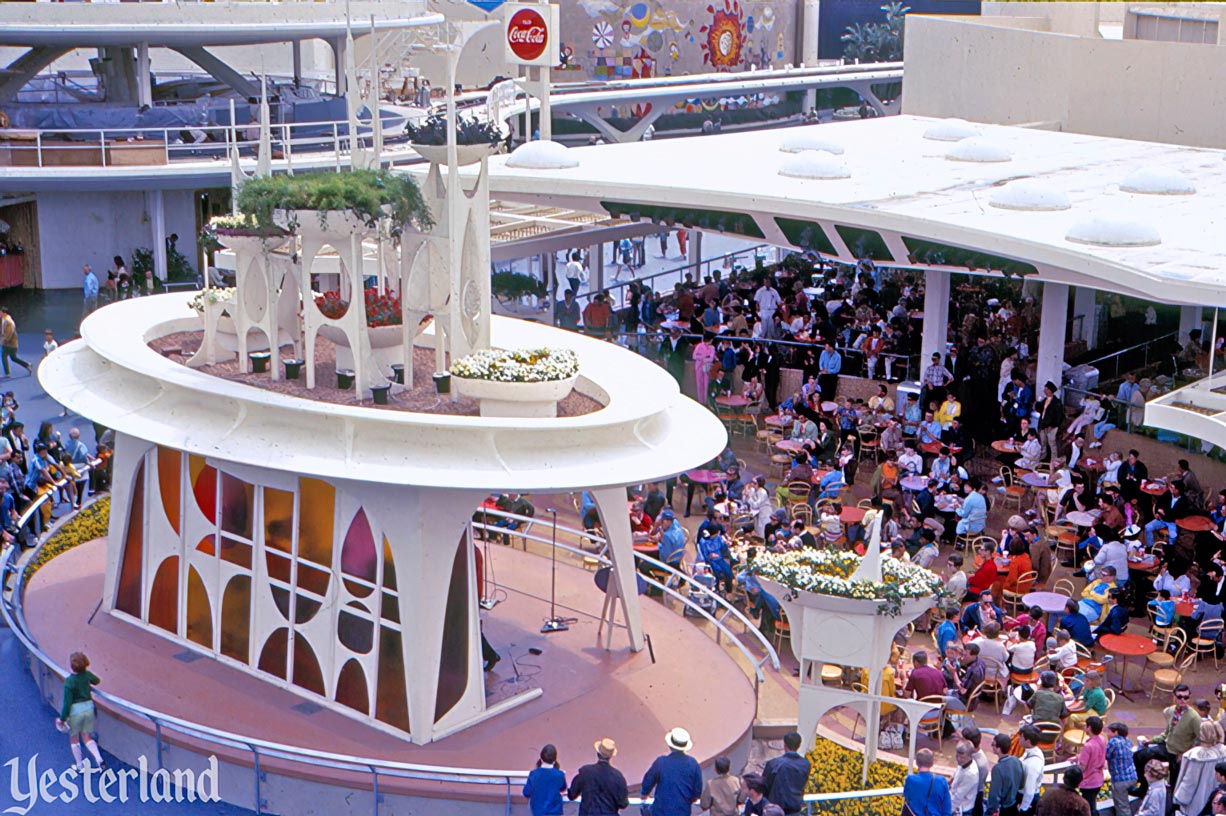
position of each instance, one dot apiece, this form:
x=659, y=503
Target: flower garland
x=211, y=295
x=518, y=365
x=828, y=572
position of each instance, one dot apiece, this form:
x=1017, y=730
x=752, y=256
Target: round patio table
x=778, y=421
x=1195, y=524
x=706, y=476
x=1184, y=609
x=914, y=483
x=1153, y=488
x=1004, y=446
x=790, y=445
x=1126, y=646
x=852, y=515
x=1083, y=518
x=733, y=401
x=829, y=407
x=1040, y=480
x=935, y=447
x=1050, y=602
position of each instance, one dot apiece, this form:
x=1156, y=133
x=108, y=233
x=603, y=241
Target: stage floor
x=588, y=693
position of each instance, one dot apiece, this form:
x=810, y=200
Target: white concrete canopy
x=902, y=186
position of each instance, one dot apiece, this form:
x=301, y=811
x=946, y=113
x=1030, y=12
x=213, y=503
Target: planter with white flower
x=517, y=382
x=476, y=139
x=844, y=610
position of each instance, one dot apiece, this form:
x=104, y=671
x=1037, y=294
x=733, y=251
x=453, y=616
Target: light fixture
x=1029, y=194
x=814, y=165
x=951, y=130
x=1157, y=181
x=979, y=149
x=806, y=139
x=1113, y=231
x=542, y=155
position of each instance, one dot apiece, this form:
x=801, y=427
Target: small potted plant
x=517, y=382
x=356, y=200
x=475, y=139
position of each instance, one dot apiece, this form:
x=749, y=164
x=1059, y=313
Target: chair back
x=803, y=512
x=1049, y=735
x=932, y=719
x=1187, y=664
x=1179, y=638
x=1210, y=629
x=1064, y=586
x=1006, y=476
x=1025, y=581
x=798, y=491
x=1110, y=694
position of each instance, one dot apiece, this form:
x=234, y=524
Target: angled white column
x=1052, y=321
x=936, y=315
x=611, y=504
x=1190, y=317
x=1085, y=301
x=806, y=52
x=157, y=215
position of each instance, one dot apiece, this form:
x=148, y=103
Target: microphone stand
x=555, y=623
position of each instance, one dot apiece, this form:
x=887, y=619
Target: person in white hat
x=675, y=777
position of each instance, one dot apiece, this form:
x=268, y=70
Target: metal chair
x=1064, y=586
x=1049, y=738
x=932, y=724
x=1013, y=600
x=1166, y=656
x=797, y=492
x=1167, y=679
x=1009, y=490
x=992, y=684
x=1206, y=640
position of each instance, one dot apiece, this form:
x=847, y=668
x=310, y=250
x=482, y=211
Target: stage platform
x=588, y=692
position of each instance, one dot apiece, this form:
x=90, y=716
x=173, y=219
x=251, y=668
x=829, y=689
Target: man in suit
x=1182, y=728
x=673, y=353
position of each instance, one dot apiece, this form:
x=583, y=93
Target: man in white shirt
x=964, y=786
x=767, y=298
x=1065, y=655
x=1177, y=585
x=910, y=461
x=1113, y=554
x=1032, y=764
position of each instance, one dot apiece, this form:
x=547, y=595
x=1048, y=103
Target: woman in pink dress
x=704, y=355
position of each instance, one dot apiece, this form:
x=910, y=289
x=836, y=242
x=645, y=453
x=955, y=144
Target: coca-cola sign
x=528, y=34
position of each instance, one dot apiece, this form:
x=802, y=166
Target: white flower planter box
x=515, y=399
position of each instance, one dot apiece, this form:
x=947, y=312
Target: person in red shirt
x=598, y=317
x=985, y=575
x=925, y=681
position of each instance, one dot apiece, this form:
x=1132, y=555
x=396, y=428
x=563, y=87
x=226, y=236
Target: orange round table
x=1195, y=524
x=852, y=515
x=1126, y=646
x=1154, y=488
x=1004, y=446
x=1184, y=609
x=935, y=447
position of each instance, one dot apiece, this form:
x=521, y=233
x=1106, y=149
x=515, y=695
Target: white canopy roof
x=903, y=185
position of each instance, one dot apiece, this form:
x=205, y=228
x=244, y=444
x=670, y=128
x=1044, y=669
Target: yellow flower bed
x=87, y=525
x=835, y=769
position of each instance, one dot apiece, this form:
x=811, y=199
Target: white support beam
x=611, y=504
x=1052, y=322
x=1085, y=301
x=936, y=315
x=157, y=222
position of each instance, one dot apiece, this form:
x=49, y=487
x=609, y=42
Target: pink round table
x=779, y=421
x=1040, y=480
x=852, y=515
x=706, y=476
x=790, y=445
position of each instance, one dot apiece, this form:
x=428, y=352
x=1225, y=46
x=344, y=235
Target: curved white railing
x=45, y=667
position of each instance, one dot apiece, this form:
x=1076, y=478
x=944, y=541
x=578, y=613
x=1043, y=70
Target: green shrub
x=362, y=193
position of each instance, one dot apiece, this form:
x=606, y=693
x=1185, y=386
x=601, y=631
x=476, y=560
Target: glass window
x=199, y=611
x=236, y=552
x=164, y=596
x=453, y=660
x=279, y=567
x=169, y=479
x=358, y=557
x=274, y=655
x=204, y=487
x=313, y=579
x=131, y=569
x=316, y=508
x=306, y=666
x=278, y=520
x=351, y=687
x=355, y=632
x=236, y=507
x=236, y=618
x=391, y=702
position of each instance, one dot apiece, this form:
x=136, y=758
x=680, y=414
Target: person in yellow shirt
x=8, y=342
x=950, y=410
x=66, y=470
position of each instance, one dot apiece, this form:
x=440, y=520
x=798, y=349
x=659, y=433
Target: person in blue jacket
x=546, y=784
x=675, y=777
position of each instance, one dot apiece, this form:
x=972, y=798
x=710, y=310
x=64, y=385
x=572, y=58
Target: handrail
x=771, y=654
x=1099, y=362
x=617, y=284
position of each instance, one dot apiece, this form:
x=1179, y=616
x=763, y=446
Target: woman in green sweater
x=77, y=714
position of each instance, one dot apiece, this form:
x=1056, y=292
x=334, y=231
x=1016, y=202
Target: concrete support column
x=157, y=220
x=806, y=51
x=1085, y=300
x=144, y=79
x=338, y=59
x=296, y=50
x=1190, y=317
x=596, y=284
x=694, y=254
x=936, y=315
x=1052, y=320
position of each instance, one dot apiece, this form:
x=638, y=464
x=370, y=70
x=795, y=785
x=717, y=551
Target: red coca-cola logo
x=527, y=35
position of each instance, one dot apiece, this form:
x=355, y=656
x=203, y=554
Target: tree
x=877, y=42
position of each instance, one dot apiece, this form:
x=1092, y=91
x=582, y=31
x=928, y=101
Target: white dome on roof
x=814, y=165
x=1029, y=194
x=800, y=141
x=1113, y=231
x=1157, y=181
x=979, y=149
x=542, y=155
x=951, y=130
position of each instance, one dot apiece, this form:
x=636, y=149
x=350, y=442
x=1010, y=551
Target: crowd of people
x=673, y=782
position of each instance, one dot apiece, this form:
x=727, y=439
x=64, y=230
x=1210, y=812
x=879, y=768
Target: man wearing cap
x=675, y=777
x=786, y=776
x=602, y=786
x=672, y=539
